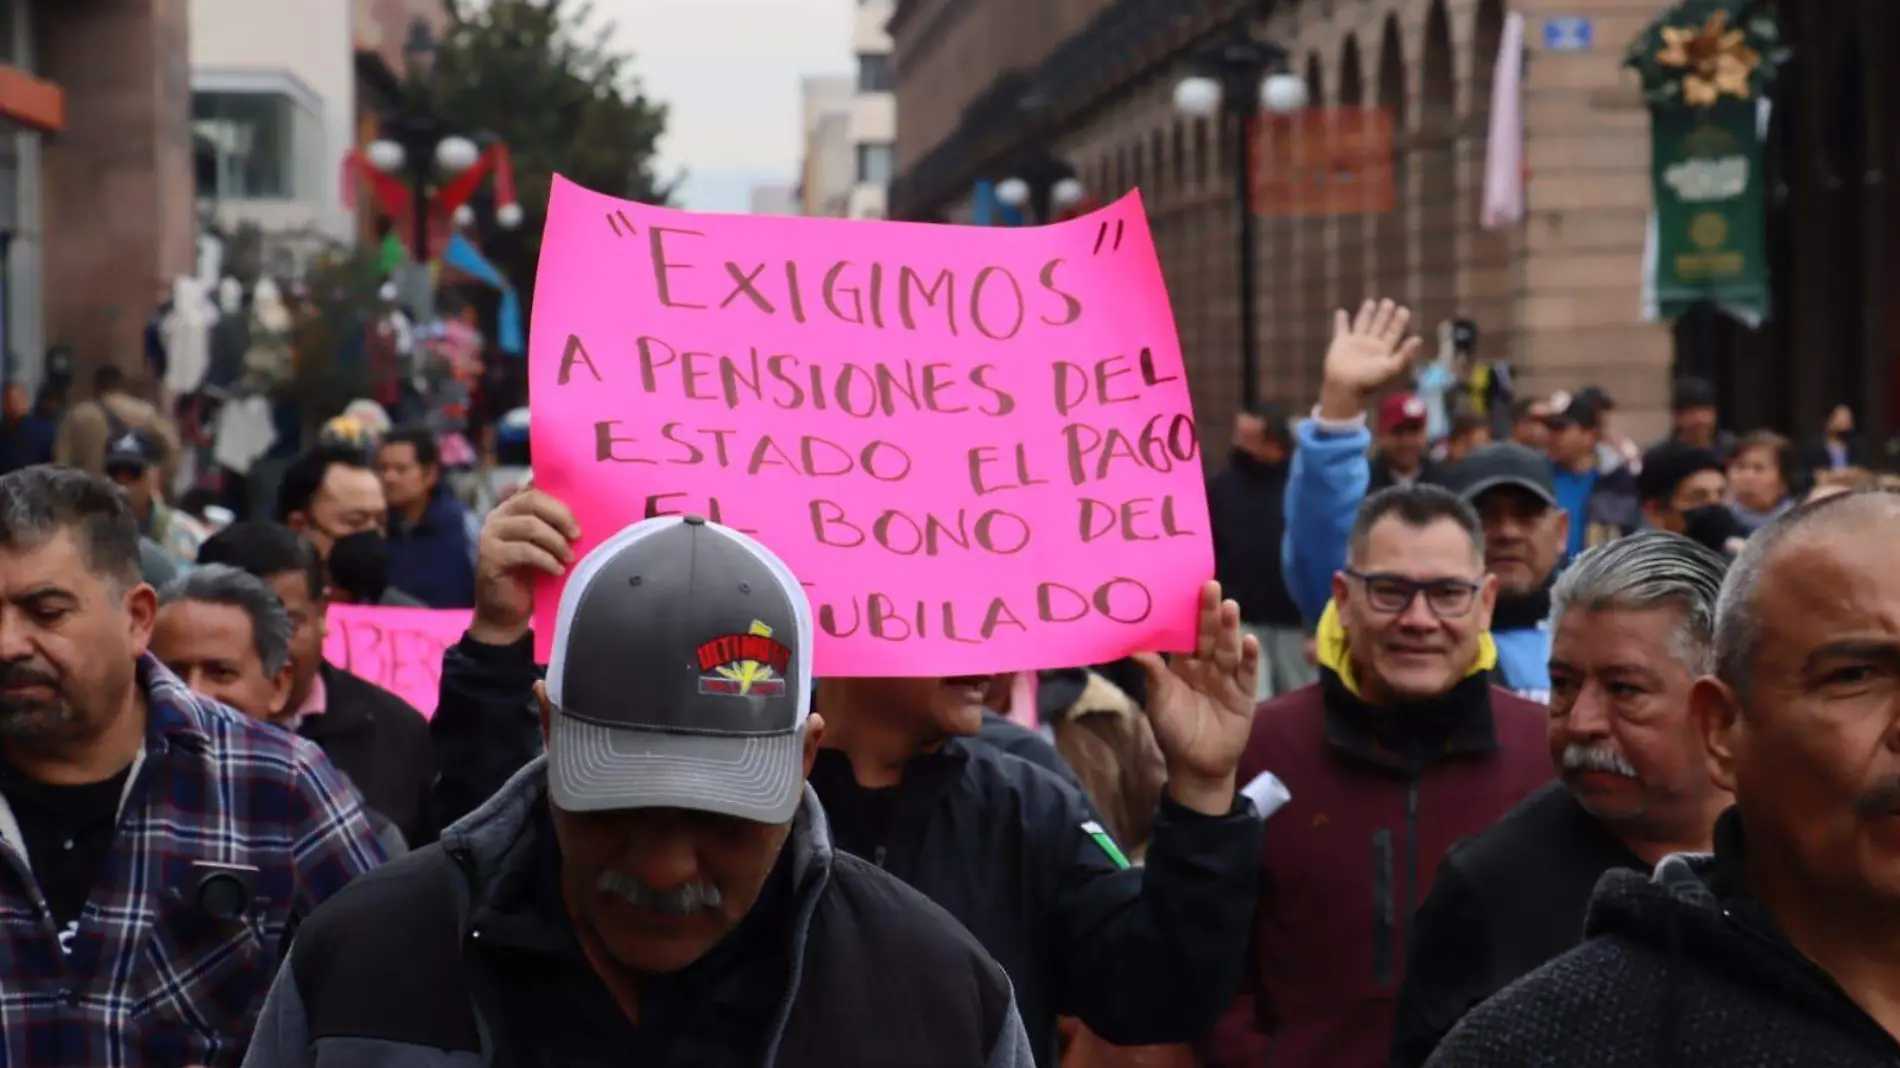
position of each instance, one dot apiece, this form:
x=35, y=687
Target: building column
x=1579, y=262
x=117, y=208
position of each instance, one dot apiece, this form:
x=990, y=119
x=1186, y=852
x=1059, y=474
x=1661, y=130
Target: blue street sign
x=1569, y=34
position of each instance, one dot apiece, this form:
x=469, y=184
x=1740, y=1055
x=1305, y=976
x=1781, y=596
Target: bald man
x=1783, y=947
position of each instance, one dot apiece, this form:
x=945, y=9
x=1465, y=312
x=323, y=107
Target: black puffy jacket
x=1144, y=956
x=462, y=956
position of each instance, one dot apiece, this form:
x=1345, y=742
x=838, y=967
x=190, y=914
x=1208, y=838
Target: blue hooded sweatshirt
x=1328, y=479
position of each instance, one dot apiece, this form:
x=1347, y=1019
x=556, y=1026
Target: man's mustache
x=683, y=900
x=1580, y=757
x=20, y=676
x=1882, y=800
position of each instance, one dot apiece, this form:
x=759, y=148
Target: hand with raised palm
x=529, y=534
x=1201, y=706
x=1368, y=351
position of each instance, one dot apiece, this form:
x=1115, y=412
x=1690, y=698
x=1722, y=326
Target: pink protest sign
x=975, y=446
x=399, y=649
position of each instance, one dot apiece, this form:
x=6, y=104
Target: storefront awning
x=31, y=102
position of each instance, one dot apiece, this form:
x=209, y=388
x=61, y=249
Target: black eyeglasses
x=1392, y=594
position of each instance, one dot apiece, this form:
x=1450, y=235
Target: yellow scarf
x=1330, y=647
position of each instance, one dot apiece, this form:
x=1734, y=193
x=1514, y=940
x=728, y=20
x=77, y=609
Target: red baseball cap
x=1400, y=410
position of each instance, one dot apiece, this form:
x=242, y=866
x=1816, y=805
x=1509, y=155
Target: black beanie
x=1666, y=466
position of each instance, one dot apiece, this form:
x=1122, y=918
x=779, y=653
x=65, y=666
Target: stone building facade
x=103, y=211
x=982, y=82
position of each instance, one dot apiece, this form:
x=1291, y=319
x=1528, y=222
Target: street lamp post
x=1238, y=74
x=420, y=139
x=420, y=129
x=418, y=143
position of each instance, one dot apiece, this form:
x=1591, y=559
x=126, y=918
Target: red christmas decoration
x=396, y=199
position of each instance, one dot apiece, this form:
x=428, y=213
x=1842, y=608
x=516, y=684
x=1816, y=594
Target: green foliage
x=340, y=301
x=543, y=76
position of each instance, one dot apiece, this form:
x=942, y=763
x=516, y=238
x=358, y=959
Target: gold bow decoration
x=1702, y=52
x=1715, y=60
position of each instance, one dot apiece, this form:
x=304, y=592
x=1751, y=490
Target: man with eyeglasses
x=1512, y=488
x=1402, y=748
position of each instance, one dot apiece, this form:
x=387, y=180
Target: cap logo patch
x=744, y=665
x=128, y=443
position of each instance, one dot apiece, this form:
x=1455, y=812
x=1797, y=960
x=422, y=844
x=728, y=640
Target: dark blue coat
x=433, y=560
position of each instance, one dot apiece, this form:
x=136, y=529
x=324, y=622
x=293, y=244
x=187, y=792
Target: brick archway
x=1435, y=147
x=1391, y=231
x=1300, y=293
x=1354, y=282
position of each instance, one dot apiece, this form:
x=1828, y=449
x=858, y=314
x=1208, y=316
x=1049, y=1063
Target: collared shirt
x=313, y=705
x=151, y=977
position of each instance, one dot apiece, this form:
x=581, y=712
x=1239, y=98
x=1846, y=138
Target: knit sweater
x=1679, y=970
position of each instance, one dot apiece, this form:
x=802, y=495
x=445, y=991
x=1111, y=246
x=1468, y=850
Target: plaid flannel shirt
x=151, y=979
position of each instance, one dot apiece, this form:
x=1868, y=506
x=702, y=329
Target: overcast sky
x=730, y=70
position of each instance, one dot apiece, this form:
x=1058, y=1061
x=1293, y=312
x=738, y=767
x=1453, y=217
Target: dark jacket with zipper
x=1505, y=902
x=1682, y=969
x=1814, y=456
x=462, y=956
x=1378, y=798
x=1430, y=473
x=1005, y=735
x=433, y=559
x=381, y=742
x=1246, y=506
x=487, y=724
x=1143, y=956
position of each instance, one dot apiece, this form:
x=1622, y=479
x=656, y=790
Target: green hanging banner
x=1706, y=66
x=1711, y=241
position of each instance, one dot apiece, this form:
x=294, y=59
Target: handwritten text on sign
x=399, y=649
x=975, y=446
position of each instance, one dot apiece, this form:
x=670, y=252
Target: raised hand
x=528, y=534
x=1201, y=706
x=1368, y=351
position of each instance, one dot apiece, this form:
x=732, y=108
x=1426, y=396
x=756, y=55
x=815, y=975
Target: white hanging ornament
x=509, y=216
x=464, y=216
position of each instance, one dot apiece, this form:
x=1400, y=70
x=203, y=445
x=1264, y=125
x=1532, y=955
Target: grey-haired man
x=1633, y=629
x=227, y=636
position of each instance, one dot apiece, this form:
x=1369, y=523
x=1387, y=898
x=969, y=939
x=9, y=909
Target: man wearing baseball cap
x=135, y=460
x=1399, y=457
x=661, y=887
x=1147, y=955
x=1596, y=485
x=1514, y=493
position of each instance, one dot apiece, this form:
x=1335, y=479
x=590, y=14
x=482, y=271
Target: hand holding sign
x=1201, y=706
x=974, y=446
x=528, y=535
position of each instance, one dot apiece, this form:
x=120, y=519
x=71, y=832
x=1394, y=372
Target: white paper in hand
x=1267, y=793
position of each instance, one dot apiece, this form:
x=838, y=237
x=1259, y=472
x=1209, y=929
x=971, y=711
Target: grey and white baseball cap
x=680, y=675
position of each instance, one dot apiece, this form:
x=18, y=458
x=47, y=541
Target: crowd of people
x=386, y=494
x=1547, y=750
